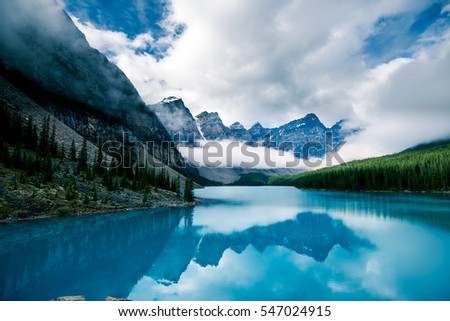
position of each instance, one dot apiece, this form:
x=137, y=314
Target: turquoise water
x=242, y=243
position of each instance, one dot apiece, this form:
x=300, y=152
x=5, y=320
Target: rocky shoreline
x=23, y=201
x=99, y=212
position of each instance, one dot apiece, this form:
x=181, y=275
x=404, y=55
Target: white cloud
x=229, y=154
x=446, y=9
x=113, y=43
x=403, y=103
x=141, y=6
x=274, y=61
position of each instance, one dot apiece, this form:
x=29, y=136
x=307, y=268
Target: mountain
x=238, y=132
x=258, y=132
x=307, y=132
x=176, y=118
x=49, y=60
x=340, y=131
x=422, y=168
x=298, y=133
x=41, y=178
x=212, y=126
x=60, y=100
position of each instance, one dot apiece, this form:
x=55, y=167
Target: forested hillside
x=422, y=168
x=40, y=176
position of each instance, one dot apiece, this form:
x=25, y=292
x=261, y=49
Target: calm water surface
x=243, y=243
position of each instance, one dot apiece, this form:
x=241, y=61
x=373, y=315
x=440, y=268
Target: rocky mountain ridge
x=176, y=118
x=308, y=131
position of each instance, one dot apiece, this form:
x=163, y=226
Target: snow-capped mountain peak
x=170, y=99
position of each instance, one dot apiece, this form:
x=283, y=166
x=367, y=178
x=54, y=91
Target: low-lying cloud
x=229, y=154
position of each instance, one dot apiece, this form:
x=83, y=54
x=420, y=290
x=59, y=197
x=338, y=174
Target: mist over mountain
x=176, y=118
x=212, y=126
x=292, y=136
x=39, y=39
x=46, y=57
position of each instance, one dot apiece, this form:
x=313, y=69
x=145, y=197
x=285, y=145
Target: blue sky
x=133, y=17
x=382, y=64
x=395, y=36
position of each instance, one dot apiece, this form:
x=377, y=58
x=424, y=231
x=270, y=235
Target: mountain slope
x=212, y=126
x=176, y=118
x=48, y=59
x=298, y=133
x=38, y=176
x=57, y=55
x=239, y=133
x=424, y=168
x=258, y=132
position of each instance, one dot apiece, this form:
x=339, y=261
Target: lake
x=242, y=243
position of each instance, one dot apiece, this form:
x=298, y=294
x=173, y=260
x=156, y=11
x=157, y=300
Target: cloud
x=113, y=42
x=403, y=103
x=276, y=61
x=229, y=154
x=446, y=9
x=39, y=40
x=141, y=8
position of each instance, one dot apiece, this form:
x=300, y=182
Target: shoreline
x=367, y=191
x=100, y=212
x=336, y=190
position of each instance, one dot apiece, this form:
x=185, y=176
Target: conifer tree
x=43, y=143
x=73, y=152
x=53, y=146
x=189, y=190
x=62, y=152
x=98, y=169
x=82, y=157
x=146, y=191
x=94, y=195
x=86, y=199
x=48, y=168
x=30, y=134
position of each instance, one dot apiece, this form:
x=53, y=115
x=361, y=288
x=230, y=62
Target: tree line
x=421, y=169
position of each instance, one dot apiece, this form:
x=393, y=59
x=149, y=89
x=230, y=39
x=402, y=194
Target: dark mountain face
x=46, y=57
x=46, y=47
x=212, y=126
x=177, y=118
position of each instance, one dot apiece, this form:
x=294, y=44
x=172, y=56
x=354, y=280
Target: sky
x=382, y=64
